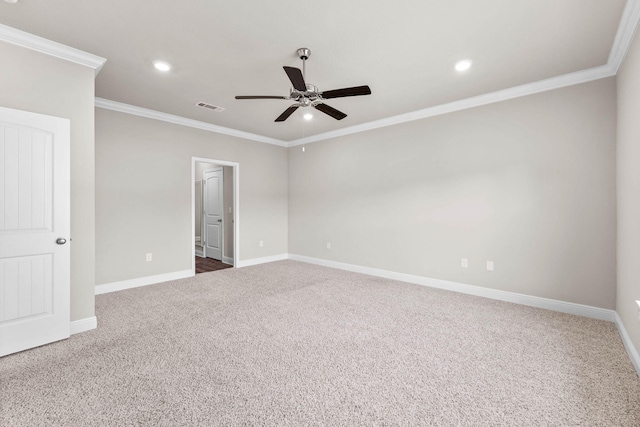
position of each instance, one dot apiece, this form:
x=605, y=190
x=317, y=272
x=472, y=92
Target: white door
x=213, y=213
x=34, y=214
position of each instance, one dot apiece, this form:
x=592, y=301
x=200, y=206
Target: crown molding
x=624, y=36
x=626, y=30
x=48, y=47
x=178, y=120
x=565, y=80
x=558, y=82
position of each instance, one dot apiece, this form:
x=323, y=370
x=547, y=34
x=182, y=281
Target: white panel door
x=34, y=230
x=213, y=213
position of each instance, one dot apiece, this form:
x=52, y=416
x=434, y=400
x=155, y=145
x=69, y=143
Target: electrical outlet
x=328, y=245
x=149, y=257
x=489, y=265
x=229, y=209
x=464, y=263
x=261, y=243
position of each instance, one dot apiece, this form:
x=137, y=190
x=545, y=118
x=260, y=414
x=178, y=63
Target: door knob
x=61, y=241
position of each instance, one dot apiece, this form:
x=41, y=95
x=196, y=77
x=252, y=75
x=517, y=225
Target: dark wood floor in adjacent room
x=205, y=265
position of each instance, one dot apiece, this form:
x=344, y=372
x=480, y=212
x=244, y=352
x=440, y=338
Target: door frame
x=203, y=221
x=236, y=207
x=195, y=184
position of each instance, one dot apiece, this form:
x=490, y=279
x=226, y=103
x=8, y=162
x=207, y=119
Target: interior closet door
x=34, y=230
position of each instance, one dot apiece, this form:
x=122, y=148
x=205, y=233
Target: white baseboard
x=200, y=253
x=628, y=344
x=83, y=325
x=256, y=261
x=528, y=300
x=532, y=301
x=142, y=281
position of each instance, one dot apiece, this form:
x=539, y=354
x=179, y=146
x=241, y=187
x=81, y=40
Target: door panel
x=34, y=212
x=26, y=282
x=213, y=204
x=213, y=239
x=27, y=180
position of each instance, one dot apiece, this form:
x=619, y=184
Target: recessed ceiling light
x=308, y=116
x=162, y=66
x=11, y=1
x=463, y=65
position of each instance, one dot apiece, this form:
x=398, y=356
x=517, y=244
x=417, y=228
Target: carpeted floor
x=293, y=344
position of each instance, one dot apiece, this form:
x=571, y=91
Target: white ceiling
x=405, y=51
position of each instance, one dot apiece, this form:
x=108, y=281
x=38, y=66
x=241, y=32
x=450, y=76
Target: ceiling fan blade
x=338, y=115
x=262, y=97
x=297, y=80
x=289, y=111
x=348, y=91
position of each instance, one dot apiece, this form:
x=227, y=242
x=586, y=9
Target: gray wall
x=143, y=194
x=39, y=83
x=527, y=183
x=629, y=192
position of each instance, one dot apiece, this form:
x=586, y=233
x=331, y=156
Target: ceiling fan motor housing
x=307, y=98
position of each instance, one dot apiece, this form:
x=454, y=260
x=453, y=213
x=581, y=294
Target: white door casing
x=34, y=213
x=213, y=213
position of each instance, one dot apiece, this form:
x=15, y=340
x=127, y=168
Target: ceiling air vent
x=209, y=106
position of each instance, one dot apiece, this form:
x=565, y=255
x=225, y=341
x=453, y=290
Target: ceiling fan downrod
x=304, y=54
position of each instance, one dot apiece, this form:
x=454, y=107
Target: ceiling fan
x=308, y=95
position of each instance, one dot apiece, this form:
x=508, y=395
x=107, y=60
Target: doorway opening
x=215, y=214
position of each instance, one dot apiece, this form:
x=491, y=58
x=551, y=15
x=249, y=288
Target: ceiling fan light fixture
x=463, y=65
x=308, y=116
x=162, y=66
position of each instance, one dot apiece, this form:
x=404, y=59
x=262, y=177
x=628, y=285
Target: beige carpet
x=293, y=344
